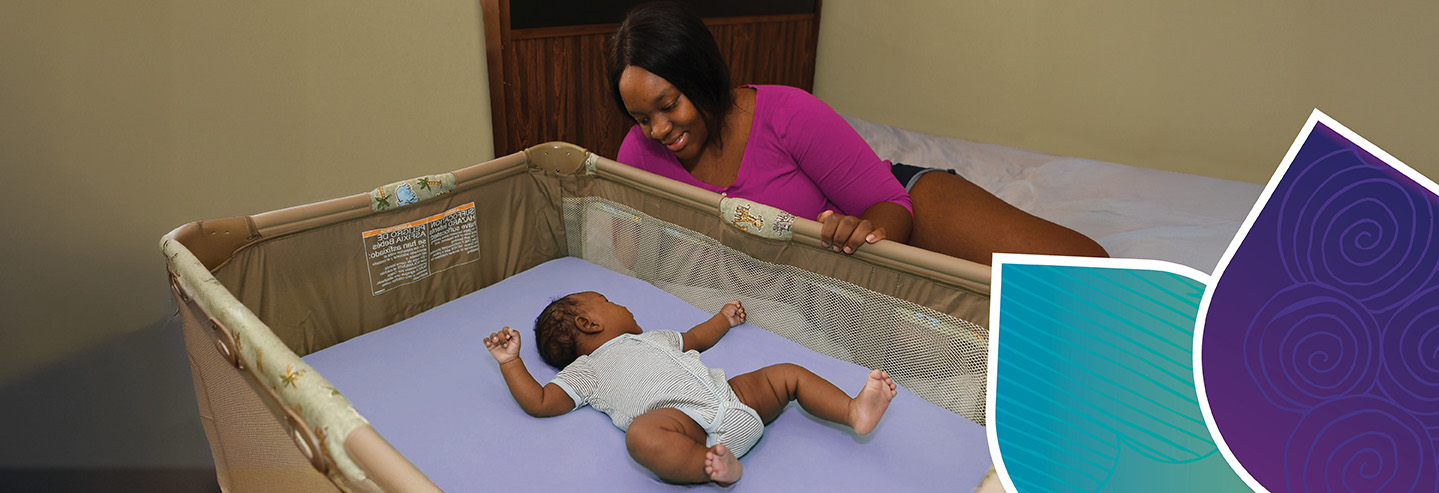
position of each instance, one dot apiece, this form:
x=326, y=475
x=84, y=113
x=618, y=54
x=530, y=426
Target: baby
x=682, y=420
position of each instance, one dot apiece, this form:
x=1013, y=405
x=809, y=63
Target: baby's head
x=578, y=323
x=556, y=332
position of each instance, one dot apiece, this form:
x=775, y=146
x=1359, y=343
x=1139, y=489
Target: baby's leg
x=672, y=445
x=768, y=390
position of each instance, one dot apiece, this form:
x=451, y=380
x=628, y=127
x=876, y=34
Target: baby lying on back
x=682, y=420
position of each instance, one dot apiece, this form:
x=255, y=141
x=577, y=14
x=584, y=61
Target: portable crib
x=255, y=293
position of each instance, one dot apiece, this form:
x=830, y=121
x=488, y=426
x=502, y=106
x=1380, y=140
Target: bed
x=1133, y=212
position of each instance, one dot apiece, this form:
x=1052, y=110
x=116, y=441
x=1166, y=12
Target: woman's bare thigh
x=958, y=218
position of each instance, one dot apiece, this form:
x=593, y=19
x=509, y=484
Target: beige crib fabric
x=290, y=282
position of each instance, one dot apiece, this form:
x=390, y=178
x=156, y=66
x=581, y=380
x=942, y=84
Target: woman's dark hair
x=668, y=40
x=555, y=332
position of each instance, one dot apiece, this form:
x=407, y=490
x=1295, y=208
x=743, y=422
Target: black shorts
x=908, y=174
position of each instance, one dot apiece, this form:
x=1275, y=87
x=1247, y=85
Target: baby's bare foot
x=722, y=466
x=866, y=408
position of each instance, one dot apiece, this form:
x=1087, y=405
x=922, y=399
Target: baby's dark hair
x=555, y=331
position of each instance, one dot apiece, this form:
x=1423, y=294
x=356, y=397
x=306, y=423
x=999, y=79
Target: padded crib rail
x=213, y=241
x=933, y=266
x=258, y=292
x=567, y=158
x=327, y=433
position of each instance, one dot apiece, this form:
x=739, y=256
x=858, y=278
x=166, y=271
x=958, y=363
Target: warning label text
x=405, y=253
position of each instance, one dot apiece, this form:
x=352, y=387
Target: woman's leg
x=672, y=445
x=768, y=390
x=958, y=218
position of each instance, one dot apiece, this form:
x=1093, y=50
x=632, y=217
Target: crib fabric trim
x=757, y=219
x=403, y=193
x=321, y=409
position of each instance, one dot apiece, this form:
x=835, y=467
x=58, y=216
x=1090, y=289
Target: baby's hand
x=504, y=345
x=733, y=312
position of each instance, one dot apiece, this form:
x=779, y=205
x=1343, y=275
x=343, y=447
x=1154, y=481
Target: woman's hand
x=843, y=233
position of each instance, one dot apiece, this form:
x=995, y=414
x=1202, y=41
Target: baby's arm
x=707, y=333
x=537, y=401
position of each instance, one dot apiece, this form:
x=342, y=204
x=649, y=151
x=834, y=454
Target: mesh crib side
x=935, y=355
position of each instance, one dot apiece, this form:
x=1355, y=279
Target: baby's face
x=607, y=313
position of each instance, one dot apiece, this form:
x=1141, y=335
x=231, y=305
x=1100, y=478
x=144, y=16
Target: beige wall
x=122, y=120
x=1214, y=88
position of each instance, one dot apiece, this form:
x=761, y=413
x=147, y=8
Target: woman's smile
x=663, y=112
x=679, y=143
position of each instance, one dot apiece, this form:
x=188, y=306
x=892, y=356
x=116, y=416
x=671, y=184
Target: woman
x=785, y=148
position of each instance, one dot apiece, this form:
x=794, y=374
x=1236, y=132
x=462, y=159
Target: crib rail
x=275, y=424
x=285, y=440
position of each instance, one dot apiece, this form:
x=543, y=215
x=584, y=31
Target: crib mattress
x=430, y=388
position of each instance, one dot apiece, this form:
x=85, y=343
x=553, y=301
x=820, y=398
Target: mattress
x=1133, y=212
x=430, y=388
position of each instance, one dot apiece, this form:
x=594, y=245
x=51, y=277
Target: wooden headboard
x=547, y=73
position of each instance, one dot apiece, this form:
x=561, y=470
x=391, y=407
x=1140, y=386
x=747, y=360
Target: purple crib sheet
x=430, y=388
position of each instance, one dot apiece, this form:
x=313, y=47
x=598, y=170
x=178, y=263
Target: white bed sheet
x=1132, y=212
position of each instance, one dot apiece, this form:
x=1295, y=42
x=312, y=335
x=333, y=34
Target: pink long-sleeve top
x=801, y=157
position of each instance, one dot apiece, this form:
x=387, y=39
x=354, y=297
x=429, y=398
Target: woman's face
x=663, y=112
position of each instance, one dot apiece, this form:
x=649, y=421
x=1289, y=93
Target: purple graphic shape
x=1411, y=368
x=1358, y=443
x=1350, y=221
x=1321, y=340
x=1311, y=343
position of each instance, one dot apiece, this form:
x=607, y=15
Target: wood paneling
x=552, y=80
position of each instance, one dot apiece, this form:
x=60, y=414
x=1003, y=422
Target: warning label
x=405, y=253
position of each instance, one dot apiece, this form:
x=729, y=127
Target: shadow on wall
x=122, y=417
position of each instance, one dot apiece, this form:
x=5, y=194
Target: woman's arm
x=894, y=218
x=847, y=172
